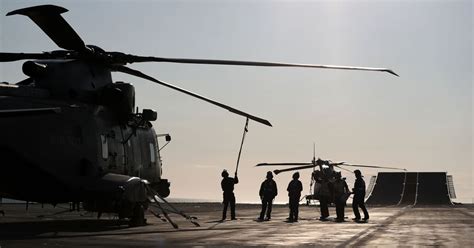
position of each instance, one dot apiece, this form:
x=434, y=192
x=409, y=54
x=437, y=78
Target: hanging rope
x=241, y=144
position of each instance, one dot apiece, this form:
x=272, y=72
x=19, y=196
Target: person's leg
x=323, y=205
x=232, y=207
x=292, y=210
x=326, y=208
x=338, y=210
x=296, y=210
x=269, y=210
x=343, y=206
x=264, y=208
x=364, y=209
x=355, y=208
x=226, y=203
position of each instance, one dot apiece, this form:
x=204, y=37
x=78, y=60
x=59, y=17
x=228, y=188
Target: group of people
x=268, y=192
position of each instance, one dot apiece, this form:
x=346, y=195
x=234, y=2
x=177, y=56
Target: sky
x=421, y=120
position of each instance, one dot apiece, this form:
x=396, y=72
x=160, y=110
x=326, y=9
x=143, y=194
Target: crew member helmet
x=269, y=175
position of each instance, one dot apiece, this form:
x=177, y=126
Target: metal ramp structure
x=412, y=188
x=388, y=189
x=371, y=186
x=452, y=193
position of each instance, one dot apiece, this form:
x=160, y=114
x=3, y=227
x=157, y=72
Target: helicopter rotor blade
x=10, y=57
x=373, y=166
x=233, y=110
x=295, y=168
x=283, y=164
x=342, y=168
x=29, y=111
x=128, y=58
x=49, y=19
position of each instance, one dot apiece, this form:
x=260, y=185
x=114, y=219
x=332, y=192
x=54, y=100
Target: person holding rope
x=227, y=185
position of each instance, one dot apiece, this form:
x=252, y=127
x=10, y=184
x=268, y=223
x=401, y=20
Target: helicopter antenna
x=242, y=143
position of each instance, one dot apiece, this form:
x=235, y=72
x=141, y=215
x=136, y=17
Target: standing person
x=294, y=193
x=227, y=185
x=268, y=191
x=359, y=196
x=341, y=191
x=323, y=193
x=324, y=199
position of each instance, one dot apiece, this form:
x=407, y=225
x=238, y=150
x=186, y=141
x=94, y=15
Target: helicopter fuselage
x=70, y=135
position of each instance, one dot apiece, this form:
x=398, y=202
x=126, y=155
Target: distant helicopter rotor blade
x=372, y=166
x=283, y=164
x=49, y=19
x=127, y=58
x=233, y=110
x=342, y=168
x=292, y=169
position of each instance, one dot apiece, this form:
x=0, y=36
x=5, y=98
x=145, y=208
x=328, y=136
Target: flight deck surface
x=431, y=226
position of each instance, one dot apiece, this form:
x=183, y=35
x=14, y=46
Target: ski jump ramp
x=411, y=188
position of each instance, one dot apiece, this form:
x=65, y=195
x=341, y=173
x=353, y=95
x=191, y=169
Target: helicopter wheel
x=138, y=216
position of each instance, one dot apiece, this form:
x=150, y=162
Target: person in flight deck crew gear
x=294, y=193
x=359, y=196
x=268, y=191
x=324, y=195
x=227, y=185
x=341, y=191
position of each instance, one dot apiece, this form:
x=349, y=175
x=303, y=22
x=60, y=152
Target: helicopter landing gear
x=161, y=187
x=165, y=208
x=138, y=216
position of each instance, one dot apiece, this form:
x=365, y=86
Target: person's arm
x=260, y=193
x=222, y=184
x=236, y=179
x=276, y=188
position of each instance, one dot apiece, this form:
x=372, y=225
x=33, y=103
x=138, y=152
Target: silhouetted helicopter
x=71, y=134
x=323, y=174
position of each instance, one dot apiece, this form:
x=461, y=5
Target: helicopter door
x=115, y=151
x=120, y=150
x=135, y=162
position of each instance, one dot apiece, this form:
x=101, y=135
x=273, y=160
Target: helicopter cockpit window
x=105, y=147
x=152, y=154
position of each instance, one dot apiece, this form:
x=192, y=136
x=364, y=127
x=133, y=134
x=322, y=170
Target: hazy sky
x=421, y=121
